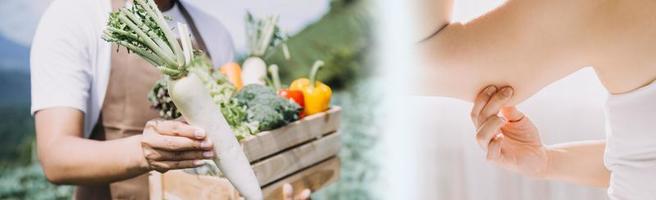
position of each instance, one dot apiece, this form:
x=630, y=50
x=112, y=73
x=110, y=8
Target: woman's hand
x=511, y=140
x=171, y=145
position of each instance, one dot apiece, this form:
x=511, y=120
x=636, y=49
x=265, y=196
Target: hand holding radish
x=143, y=30
x=171, y=145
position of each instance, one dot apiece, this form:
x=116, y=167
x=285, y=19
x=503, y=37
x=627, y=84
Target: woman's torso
x=631, y=144
x=622, y=46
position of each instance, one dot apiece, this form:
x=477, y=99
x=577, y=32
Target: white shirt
x=631, y=144
x=70, y=63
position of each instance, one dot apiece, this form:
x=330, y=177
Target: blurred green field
x=340, y=38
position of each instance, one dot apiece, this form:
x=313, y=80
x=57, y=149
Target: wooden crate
x=303, y=153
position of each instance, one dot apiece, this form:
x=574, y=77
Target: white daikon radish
x=194, y=102
x=143, y=30
x=262, y=34
x=254, y=71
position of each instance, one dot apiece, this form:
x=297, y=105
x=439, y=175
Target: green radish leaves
x=142, y=29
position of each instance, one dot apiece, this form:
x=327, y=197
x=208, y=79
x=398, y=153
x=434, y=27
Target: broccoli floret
x=265, y=108
x=252, y=91
x=266, y=117
x=288, y=109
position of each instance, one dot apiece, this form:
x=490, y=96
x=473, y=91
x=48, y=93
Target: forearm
x=75, y=160
x=510, y=45
x=579, y=162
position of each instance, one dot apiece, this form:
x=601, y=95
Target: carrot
x=233, y=71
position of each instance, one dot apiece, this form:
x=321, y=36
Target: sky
x=18, y=18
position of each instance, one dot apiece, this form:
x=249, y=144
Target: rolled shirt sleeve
x=60, y=62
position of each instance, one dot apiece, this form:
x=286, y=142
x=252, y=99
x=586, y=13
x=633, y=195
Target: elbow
x=53, y=176
x=53, y=169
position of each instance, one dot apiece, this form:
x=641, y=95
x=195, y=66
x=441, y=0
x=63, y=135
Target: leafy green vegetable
x=143, y=30
x=160, y=100
x=265, y=108
x=251, y=92
x=265, y=117
x=253, y=109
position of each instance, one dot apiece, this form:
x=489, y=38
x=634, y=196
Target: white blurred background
x=454, y=167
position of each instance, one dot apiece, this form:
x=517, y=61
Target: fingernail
x=198, y=162
x=287, y=188
x=305, y=194
x=208, y=154
x=507, y=92
x=199, y=133
x=490, y=90
x=206, y=144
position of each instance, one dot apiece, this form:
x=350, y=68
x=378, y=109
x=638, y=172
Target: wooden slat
x=290, y=161
x=313, y=178
x=178, y=184
x=314, y=139
x=155, y=185
x=270, y=142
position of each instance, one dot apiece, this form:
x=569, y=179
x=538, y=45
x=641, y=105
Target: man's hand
x=511, y=140
x=288, y=193
x=174, y=145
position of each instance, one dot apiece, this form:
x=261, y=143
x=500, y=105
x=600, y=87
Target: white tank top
x=631, y=144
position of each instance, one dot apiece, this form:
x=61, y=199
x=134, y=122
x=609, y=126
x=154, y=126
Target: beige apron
x=126, y=110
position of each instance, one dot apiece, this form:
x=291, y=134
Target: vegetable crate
x=302, y=153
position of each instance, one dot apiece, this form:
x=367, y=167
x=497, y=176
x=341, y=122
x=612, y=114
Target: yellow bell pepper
x=315, y=94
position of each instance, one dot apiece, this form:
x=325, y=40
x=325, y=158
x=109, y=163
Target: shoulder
x=63, y=51
x=75, y=11
x=204, y=17
x=77, y=21
x=215, y=34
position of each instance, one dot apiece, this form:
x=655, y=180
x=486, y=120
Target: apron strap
x=194, y=30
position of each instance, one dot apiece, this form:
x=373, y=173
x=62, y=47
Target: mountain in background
x=13, y=56
x=14, y=73
x=17, y=126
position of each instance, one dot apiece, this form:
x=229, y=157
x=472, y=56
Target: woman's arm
x=525, y=44
x=578, y=162
x=68, y=158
